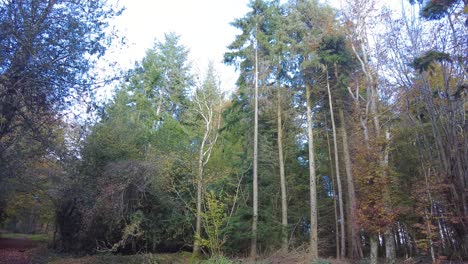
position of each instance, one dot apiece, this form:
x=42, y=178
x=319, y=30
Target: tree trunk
x=312, y=183
x=196, y=245
x=54, y=238
x=390, y=252
x=284, y=202
x=355, y=245
x=335, y=207
x=253, y=246
x=338, y=177
x=209, y=112
x=374, y=248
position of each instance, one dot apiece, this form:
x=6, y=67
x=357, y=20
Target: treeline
x=346, y=137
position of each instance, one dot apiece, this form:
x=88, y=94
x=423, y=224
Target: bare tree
x=207, y=101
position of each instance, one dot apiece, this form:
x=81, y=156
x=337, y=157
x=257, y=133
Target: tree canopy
x=345, y=138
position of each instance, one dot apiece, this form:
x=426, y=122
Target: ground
x=16, y=250
x=32, y=249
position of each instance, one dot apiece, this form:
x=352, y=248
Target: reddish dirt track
x=13, y=251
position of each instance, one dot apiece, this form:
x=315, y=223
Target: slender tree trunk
x=253, y=246
x=429, y=234
x=209, y=111
x=390, y=252
x=337, y=173
x=312, y=183
x=196, y=246
x=429, y=214
x=54, y=238
x=284, y=202
x=442, y=236
x=355, y=246
x=158, y=109
x=374, y=248
x=335, y=207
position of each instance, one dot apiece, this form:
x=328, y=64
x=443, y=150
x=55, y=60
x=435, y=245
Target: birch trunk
x=209, y=109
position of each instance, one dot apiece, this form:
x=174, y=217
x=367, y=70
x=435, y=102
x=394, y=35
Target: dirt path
x=13, y=250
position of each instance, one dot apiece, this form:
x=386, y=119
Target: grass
x=176, y=258
x=32, y=237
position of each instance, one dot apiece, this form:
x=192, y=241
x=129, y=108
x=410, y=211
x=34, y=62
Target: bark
x=372, y=111
x=284, y=203
x=335, y=207
x=374, y=248
x=209, y=113
x=429, y=215
x=355, y=245
x=390, y=251
x=312, y=183
x=337, y=173
x=390, y=247
x=196, y=246
x=253, y=246
x=442, y=236
x=383, y=160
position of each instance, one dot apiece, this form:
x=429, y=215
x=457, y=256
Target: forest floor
x=17, y=250
x=32, y=249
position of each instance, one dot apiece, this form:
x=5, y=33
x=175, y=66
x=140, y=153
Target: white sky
x=203, y=26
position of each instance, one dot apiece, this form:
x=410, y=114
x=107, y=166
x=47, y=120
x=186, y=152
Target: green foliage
x=425, y=62
x=435, y=10
x=333, y=51
x=218, y=260
x=137, y=163
x=214, y=220
x=163, y=79
x=43, y=238
x=38, y=76
x=129, y=184
x=323, y=261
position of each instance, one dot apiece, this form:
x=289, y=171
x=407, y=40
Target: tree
x=309, y=22
x=47, y=52
x=338, y=60
x=337, y=171
x=435, y=10
x=48, y=49
x=358, y=27
x=207, y=104
x=167, y=76
x=425, y=62
x=248, y=47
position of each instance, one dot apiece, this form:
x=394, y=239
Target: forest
x=346, y=138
